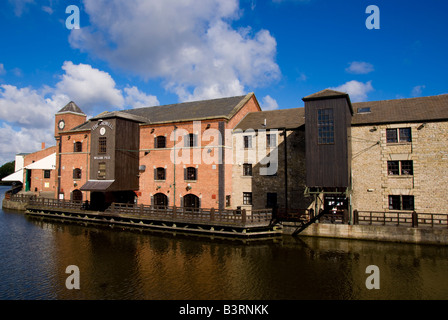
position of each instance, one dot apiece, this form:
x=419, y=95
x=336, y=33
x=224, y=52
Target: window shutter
x=155, y=173
x=155, y=142
x=196, y=174
x=185, y=174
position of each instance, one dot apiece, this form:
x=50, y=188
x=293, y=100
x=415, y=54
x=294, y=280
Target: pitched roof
x=326, y=93
x=222, y=108
x=195, y=110
x=402, y=110
x=275, y=119
x=71, y=107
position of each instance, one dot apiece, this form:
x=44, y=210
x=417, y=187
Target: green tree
x=7, y=169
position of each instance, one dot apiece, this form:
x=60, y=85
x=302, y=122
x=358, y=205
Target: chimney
x=43, y=145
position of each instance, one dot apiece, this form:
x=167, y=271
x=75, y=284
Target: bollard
x=243, y=217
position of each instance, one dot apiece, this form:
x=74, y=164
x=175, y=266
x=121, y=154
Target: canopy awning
x=16, y=176
x=97, y=185
x=47, y=163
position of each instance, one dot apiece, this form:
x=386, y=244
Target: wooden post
x=345, y=217
x=243, y=216
x=212, y=214
x=355, y=217
x=414, y=219
x=174, y=212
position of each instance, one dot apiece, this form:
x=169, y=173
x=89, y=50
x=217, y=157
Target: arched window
x=191, y=201
x=160, y=142
x=159, y=174
x=77, y=146
x=77, y=173
x=191, y=140
x=190, y=173
x=159, y=199
x=76, y=195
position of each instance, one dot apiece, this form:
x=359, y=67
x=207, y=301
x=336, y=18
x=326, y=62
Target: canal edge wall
x=432, y=236
x=14, y=205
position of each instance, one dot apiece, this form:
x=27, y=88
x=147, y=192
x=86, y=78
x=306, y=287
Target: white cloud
x=189, y=44
x=20, y=6
x=27, y=114
x=137, y=99
x=360, y=67
x=357, y=90
x=269, y=103
x=48, y=9
x=89, y=87
x=417, y=90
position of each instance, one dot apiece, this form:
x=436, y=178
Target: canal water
x=121, y=264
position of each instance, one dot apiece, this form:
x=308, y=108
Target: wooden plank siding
x=328, y=165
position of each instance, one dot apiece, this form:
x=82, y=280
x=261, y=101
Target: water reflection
x=118, y=264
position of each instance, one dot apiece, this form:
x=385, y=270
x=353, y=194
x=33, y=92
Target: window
x=47, y=174
x=325, y=126
x=190, y=140
x=102, y=145
x=402, y=135
x=364, y=110
x=247, y=142
x=247, y=169
x=190, y=173
x=401, y=202
x=160, y=142
x=77, y=146
x=159, y=174
x=77, y=173
x=393, y=168
x=271, y=200
x=405, y=168
x=160, y=199
x=247, y=198
x=228, y=200
x=101, y=171
x=271, y=141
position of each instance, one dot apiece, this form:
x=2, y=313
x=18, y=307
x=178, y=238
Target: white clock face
x=61, y=124
x=102, y=131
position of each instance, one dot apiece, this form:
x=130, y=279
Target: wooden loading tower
x=328, y=115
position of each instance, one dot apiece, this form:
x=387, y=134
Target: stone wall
x=261, y=157
x=372, y=183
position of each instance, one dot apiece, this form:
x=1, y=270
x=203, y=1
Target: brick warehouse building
x=117, y=156
x=389, y=155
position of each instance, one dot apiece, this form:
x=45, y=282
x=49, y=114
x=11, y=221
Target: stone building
x=269, y=160
x=400, y=155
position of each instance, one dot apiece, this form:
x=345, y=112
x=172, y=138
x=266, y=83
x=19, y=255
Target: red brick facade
x=171, y=171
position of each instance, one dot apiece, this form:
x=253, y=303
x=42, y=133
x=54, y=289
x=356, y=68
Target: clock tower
x=68, y=118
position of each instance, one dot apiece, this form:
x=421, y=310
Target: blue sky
x=130, y=54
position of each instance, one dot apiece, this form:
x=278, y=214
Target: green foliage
x=7, y=169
